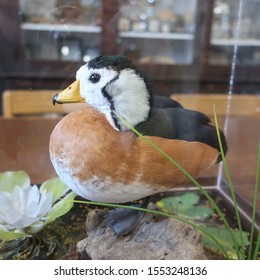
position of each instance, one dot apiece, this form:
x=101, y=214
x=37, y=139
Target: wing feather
x=181, y=124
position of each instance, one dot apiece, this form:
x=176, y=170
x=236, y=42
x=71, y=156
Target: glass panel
x=61, y=29
x=147, y=33
x=223, y=32
x=152, y=31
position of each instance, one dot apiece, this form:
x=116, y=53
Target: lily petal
x=5, y=199
x=11, y=216
x=37, y=226
x=32, y=198
x=25, y=222
x=32, y=210
x=34, y=194
x=17, y=199
x=5, y=204
x=45, y=204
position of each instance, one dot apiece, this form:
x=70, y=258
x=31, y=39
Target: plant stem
x=255, y=205
x=230, y=184
x=157, y=213
x=257, y=246
x=212, y=202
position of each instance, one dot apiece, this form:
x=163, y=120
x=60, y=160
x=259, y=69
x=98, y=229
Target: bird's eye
x=94, y=78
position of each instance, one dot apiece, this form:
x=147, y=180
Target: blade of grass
x=205, y=193
x=156, y=213
x=230, y=184
x=255, y=206
x=257, y=246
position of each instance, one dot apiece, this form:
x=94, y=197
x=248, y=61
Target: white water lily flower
x=23, y=207
x=26, y=209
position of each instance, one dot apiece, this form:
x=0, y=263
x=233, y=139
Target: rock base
x=154, y=238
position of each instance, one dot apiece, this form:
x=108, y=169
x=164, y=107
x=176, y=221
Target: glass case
x=202, y=53
x=60, y=29
x=160, y=32
x=226, y=32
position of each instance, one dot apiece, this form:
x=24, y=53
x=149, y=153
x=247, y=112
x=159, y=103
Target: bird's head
x=111, y=84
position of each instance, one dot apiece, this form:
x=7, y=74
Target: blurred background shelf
x=78, y=28
x=182, y=46
x=232, y=42
x=156, y=35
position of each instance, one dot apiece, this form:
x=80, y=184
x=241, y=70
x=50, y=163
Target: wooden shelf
x=61, y=27
x=156, y=35
x=232, y=42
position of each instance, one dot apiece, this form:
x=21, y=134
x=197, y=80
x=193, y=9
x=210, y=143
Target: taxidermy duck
x=95, y=153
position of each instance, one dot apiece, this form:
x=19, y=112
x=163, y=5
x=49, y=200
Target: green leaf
x=10, y=179
x=223, y=237
x=11, y=235
x=55, y=186
x=185, y=205
x=61, y=207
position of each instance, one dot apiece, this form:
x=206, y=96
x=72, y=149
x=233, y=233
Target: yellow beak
x=70, y=95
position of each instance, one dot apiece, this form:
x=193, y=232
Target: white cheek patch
x=93, y=95
x=127, y=90
x=131, y=97
x=92, y=92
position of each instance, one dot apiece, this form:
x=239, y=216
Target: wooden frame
x=25, y=103
x=240, y=105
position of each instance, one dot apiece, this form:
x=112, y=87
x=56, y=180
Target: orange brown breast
x=102, y=164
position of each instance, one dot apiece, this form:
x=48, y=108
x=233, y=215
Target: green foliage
x=254, y=256
x=185, y=205
x=10, y=179
x=61, y=207
x=11, y=235
x=232, y=191
x=55, y=186
x=223, y=237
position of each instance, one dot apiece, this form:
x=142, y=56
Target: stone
x=154, y=238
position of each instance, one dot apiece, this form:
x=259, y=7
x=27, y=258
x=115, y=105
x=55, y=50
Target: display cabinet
x=228, y=30
x=157, y=32
x=60, y=30
x=233, y=41
x=182, y=46
x=147, y=31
